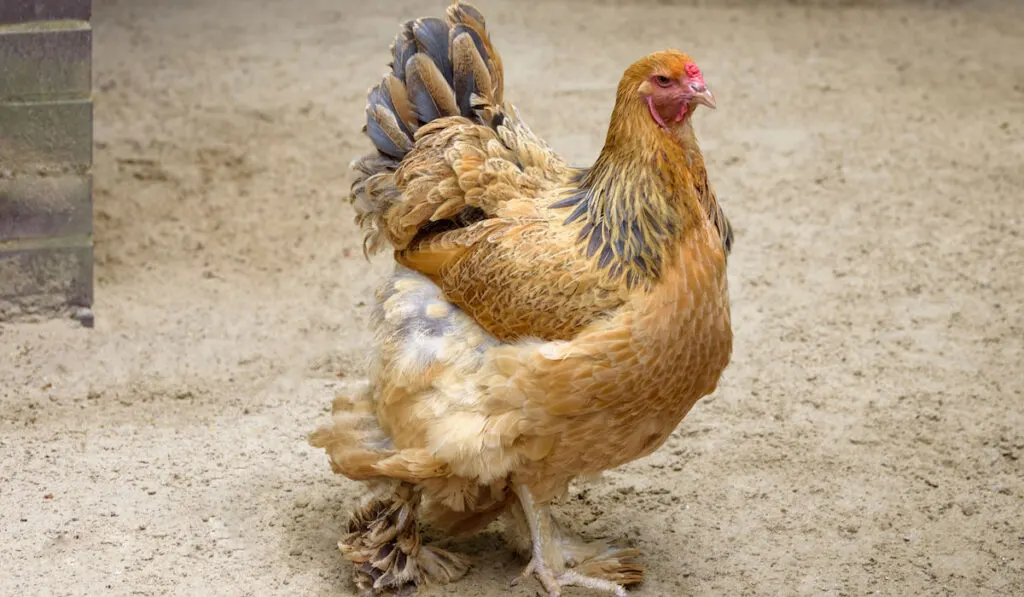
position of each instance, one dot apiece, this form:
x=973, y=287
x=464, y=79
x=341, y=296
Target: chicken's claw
x=537, y=568
x=571, y=577
x=526, y=572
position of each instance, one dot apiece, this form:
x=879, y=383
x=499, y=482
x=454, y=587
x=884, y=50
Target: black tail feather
x=431, y=35
x=438, y=74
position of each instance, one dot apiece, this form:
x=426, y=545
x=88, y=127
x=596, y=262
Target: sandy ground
x=868, y=437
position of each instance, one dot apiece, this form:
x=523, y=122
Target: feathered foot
x=383, y=543
x=617, y=565
x=559, y=559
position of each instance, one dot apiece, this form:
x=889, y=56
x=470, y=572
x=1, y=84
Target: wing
x=517, y=278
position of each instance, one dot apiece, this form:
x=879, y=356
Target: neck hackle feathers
x=648, y=187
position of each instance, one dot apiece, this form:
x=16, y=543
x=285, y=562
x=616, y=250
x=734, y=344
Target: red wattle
x=654, y=113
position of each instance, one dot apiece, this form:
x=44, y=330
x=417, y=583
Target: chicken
x=543, y=323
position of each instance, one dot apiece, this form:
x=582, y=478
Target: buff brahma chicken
x=543, y=323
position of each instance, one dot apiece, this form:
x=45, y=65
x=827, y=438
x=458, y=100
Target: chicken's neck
x=647, y=190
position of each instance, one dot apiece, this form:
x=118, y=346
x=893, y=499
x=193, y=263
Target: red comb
x=693, y=71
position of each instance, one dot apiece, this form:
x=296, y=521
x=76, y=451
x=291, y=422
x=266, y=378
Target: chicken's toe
x=547, y=579
x=572, y=577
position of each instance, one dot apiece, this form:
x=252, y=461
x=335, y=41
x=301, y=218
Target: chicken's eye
x=662, y=80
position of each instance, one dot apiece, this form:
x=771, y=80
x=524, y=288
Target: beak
x=702, y=95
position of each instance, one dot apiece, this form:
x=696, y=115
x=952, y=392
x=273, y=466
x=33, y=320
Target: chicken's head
x=670, y=84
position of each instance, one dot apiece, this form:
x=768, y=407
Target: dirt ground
x=868, y=437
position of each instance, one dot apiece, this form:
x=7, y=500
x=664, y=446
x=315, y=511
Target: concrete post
x=46, y=252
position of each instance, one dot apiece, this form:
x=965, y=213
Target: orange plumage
x=544, y=322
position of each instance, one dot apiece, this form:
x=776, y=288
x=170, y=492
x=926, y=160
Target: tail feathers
x=469, y=24
x=390, y=118
x=383, y=542
x=440, y=68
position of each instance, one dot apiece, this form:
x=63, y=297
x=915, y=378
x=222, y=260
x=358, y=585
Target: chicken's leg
x=539, y=520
